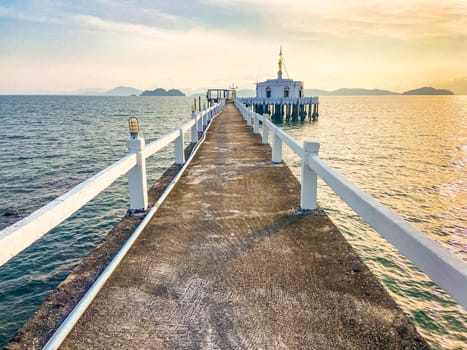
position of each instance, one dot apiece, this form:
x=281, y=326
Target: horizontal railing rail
x=443, y=267
x=282, y=100
x=23, y=233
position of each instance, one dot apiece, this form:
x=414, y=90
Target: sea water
x=408, y=152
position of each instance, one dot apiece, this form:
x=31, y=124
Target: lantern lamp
x=133, y=126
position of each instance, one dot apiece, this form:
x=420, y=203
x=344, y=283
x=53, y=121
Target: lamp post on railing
x=137, y=184
x=309, y=177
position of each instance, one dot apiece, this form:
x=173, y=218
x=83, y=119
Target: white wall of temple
x=277, y=87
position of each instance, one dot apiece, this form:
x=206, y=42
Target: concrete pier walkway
x=228, y=262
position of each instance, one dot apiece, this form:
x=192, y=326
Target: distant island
x=428, y=91
x=162, y=92
x=128, y=91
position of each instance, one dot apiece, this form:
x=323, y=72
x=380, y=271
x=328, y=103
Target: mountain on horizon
x=122, y=91
x=88, y=91
x=116, y=91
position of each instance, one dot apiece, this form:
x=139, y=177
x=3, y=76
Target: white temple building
x=283, y=99
x=279, y=88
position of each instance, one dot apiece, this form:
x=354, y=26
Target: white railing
x=443, y=267
x=283, y=100
x=22, y=234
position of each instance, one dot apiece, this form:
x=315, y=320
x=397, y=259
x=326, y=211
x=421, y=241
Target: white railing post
x=255, y=123
x=200, y=122
x=309, y=177
x=137, y=184
x=194, y=128
x=205, y=119
x=265, y=130
x=205, y=111
x=179, y=151
x=248, y=117
x=276, y=147
x=210, y=113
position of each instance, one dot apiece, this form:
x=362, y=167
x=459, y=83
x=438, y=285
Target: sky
x=48, y=46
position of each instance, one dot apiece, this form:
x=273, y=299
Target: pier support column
x=278, y=113
x=137, y=183
x=302, y=112
x=309, y=178
x=295, y=112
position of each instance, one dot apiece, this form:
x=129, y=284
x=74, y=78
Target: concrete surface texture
x=229, y=262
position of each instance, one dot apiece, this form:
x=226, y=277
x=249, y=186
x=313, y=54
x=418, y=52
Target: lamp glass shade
x=133, y=125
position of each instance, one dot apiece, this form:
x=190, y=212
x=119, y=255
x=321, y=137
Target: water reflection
x=409, y=153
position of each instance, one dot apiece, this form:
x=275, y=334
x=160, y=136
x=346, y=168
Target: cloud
x=326, y=42
x=398, y=19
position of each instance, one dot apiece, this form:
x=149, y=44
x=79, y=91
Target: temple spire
x=279, y=72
